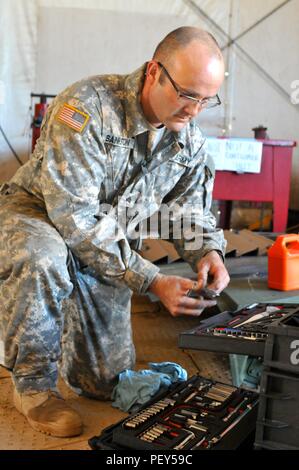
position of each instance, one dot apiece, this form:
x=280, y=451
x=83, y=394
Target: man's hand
x=173, y=293
x=212, y=266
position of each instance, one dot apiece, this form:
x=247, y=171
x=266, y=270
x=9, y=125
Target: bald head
x=181, y=38
x=186, y=64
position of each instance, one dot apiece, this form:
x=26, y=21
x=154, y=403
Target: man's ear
x=152, y=71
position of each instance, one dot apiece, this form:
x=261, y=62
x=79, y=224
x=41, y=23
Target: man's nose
x=193, y=108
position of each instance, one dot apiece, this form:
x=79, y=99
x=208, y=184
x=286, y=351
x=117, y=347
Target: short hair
x=180, y=38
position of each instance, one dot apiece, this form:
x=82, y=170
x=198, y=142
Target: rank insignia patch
x=72, y=117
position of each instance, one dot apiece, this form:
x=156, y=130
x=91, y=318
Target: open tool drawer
x=243, y=331
x=198, y=414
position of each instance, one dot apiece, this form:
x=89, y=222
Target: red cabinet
x=272, y=184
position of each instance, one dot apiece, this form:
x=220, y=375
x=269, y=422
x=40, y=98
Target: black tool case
x=197, y=414
x=221, y=332
x=278, y=412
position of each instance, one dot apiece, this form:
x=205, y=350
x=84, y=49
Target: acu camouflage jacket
x=92, y=152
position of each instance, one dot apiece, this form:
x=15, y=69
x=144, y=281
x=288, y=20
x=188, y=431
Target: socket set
x=198, y=414
x=241, y=332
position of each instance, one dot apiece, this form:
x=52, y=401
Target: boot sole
x=54, y=432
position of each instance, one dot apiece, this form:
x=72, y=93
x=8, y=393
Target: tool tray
x=226, y=332
x=197, y=414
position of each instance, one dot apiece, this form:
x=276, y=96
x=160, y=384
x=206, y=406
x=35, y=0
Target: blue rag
x=136, y=388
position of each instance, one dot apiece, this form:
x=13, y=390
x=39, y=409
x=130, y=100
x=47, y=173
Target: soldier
x=68, y=265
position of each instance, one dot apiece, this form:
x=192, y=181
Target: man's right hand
x=173, y=293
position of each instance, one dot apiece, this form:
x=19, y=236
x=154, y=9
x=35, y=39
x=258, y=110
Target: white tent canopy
x=47, y=44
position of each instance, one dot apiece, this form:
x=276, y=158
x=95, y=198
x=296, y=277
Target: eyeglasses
x=204, y=102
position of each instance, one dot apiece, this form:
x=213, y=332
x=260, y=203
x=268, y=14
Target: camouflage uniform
x=65, y=280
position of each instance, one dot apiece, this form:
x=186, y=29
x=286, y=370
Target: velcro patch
x=182, y=159
x=72, y=117
x=119, y=141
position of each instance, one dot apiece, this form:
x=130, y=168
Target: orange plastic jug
x=283, y=263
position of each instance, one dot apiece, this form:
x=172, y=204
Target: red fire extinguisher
x=39, y=113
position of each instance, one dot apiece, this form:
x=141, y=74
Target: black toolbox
x=197, y=414
x=278, y=412
x=227, y=331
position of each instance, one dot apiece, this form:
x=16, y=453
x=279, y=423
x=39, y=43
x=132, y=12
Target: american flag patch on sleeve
x=72, y=117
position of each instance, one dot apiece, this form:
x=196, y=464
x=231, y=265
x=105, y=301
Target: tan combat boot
x=47, y=412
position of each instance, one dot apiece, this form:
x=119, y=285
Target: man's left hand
x=212, y=266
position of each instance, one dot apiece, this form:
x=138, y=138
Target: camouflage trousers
x=54, y=315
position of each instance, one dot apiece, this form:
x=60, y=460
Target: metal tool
x=182, y=444
x=205, y=292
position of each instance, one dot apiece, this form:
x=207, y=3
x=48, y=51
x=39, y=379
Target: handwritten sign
x=240, y=155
